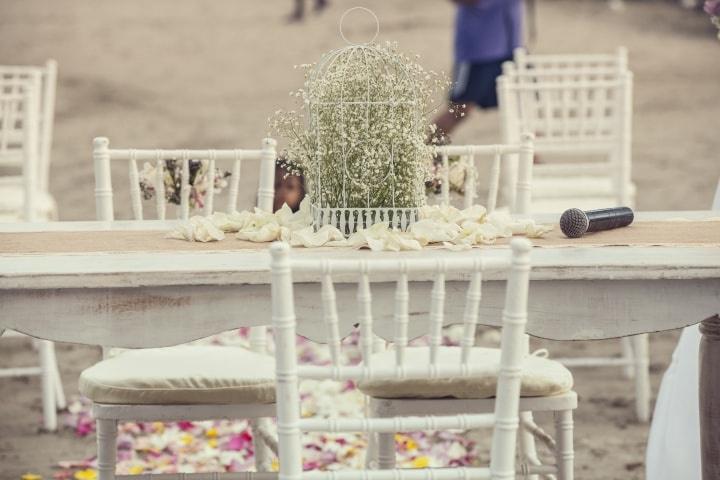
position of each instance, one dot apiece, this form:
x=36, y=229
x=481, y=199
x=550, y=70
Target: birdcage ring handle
x=377, y=24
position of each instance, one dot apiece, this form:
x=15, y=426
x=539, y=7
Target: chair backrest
x=519, y=197
x=10, y=77
x=402, y=270
x=570, y=117
x=584, y=66
x=19, y=130
x=185, y=162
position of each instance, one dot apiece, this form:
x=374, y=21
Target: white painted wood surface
x=404, y=272
x=521, y=189
x=20, y=199
x=110, y=298
x=107, y=416
x=578, y=106
x=47, y=76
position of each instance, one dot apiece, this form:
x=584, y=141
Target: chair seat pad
x=184, y=375
x=12, y=201
x=540, y=376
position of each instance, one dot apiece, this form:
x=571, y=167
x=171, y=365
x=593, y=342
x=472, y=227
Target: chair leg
x=60, y=401
x=642, y=376
x=564, y=453
x=527, y=449
x=386, y=451
x=106, y=448
x=627, y=355
x=371, y=453
x=263, y=455
x=47, y=381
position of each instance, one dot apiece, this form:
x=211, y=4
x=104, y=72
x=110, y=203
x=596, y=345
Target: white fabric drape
x=673, y=450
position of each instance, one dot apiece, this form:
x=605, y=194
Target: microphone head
x=574, y=223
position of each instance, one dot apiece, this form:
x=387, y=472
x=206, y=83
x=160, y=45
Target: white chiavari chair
x=481, y=380
x=468, y=154
x=522, y=193
x=19, y=130
x=582, y=121
x=186, y=382
x=522, y=197
x=578, y=105
x=44, y=78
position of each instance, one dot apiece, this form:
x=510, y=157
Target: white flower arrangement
x=359, y=134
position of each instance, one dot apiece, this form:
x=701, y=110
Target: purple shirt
x=488, y=30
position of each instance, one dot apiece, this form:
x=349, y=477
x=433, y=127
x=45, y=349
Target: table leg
x=710, y=398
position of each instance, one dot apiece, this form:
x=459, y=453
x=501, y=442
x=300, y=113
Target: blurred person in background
x=299, y=11
x=289, y=185
x=486, y=33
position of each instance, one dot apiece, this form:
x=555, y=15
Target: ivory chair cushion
x=12, y=200
x=186, y=375
x=540, y=376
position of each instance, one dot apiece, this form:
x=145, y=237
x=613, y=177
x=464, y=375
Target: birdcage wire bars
x=365, y=114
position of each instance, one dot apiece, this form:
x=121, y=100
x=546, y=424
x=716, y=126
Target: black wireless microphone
x=574, y=223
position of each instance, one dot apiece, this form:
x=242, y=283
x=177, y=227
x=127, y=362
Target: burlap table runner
x=668, y=233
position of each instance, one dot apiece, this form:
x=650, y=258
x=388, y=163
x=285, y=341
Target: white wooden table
x=137, y=299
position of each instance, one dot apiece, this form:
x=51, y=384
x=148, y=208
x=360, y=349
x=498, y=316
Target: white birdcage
x=367, y=128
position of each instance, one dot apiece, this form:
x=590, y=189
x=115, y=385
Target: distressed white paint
x=107, y=416
x=111, y=298
x=576, y=105
x=403, y=271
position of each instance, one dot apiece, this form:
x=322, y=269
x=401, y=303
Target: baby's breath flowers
x=360, y=129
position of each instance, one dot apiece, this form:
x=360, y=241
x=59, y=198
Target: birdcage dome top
x=371, y=73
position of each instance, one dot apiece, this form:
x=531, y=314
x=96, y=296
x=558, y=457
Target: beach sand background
x=208, y=73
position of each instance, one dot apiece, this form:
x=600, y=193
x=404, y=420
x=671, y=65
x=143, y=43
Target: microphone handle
x=609, y=218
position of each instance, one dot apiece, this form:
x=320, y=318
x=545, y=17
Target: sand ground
x=209, y=73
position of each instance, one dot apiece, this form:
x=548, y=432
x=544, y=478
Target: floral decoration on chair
x=712, y=7
x=199, y=179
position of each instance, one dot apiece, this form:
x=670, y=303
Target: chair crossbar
x=155, y=154
x=391, y=266
x=20, y=372
x=203, y=476
x=478, y=149
x=596, y=361
x=567, y=86
x=398, y=424
x=570, y=169
x=382, y=372
x=426, y=473
x=568, y=72
x=405, y=474
x=170, y=413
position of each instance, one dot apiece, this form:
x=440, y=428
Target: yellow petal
x=88, y=474
x=136, y=470
x=213, y=443
x=31, y=476
x=211, y=432
x=421, y=462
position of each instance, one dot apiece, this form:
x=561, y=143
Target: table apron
x=141, y=317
